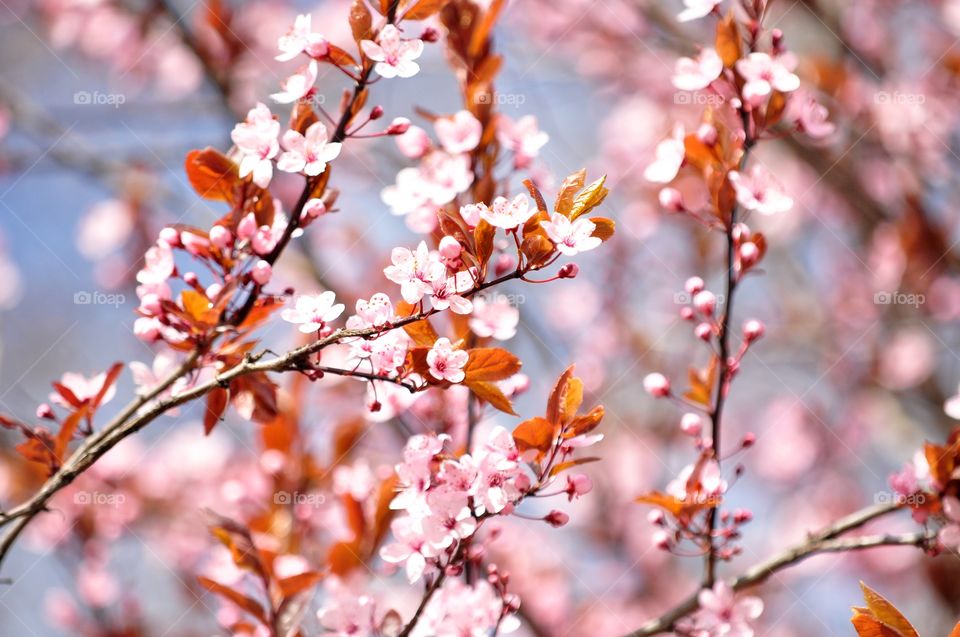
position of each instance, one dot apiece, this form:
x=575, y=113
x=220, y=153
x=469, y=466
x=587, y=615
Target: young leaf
x=591, y=197
x=490, y=393
x=250, y=605
x=568, y=191
x=216, y=406
x=536, y=433
x=212, y=174
x=886, y=613
x=491, y=363
x=728, y=40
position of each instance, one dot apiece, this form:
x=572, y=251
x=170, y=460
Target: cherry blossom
x=721, y=615
x=571, y=237
x=256, y=140
x=301, y=38
x=158, y=265
x=447, y=363
x=467, y=610
x=756, y=190
x=411, y=547
x=696, y=9
x=394, y=56
x=810, y=116
x=298, y=85
x=447, y=293
x=763, y=73
x=459, y=133
x=693, y=74
x=949, y=535
x=668, y=157
x=522, y=137
x=312, y=313
x=308, y=153
x=494, y=317
x=414, y=271
x=508, y=214
x=414, y=143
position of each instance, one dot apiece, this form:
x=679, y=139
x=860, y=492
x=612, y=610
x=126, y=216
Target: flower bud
x=707, y=133
x=191, y=279
x=398, y=126
x=376, y=112
x=569, y=271
x=170, y=237
x=671, y=199
x=220, y=237
x=691, y=424
x=686, y=313
x=430, y=35
x=556, y=518
x=661, y=540
x=753, y=330
x=693, y=285
x=749, y=439
x=705, y=302
x=45, y=411
x=504, y=264
x=703, y=331
x=657, y=385
x=656, y=517
x=749, y=254
x=261, y=272
x=247, y=227
x=450, y=248
x=577, y=485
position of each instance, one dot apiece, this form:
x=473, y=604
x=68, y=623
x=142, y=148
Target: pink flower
x=308, y=153
x=949, y=535
x=348, y=615
x=301, y=38
x=256, y=139
x=693, y=74
x=763, y=74
x=414, y=143
x=411, y=548
x=720, y=615
x=810, y=116
x=297, y=85
x=447, y=292
x=158, y=265
x=447, y=363
x=494, y=318
x=312, y=313
x=394, y=56
x=460, y=133
x=375, y=312
x=696, y=9
x=668, y=157
x=756, y=190
x=471, y=213
x=571, y=237
x=523, y=137
x=508, y=214
x=414, y=271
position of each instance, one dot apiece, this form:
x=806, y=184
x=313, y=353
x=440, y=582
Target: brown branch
x=827, y=541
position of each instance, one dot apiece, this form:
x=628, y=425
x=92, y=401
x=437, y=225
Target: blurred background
x=101, y=99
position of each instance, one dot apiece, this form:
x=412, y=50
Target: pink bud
x=213, y=290
x=705, y=302
x=691, y=424
x=150, y=304
x=671, y=199
x=261, y=272
x=703, y=331
x=194, y=243
x=577, y=485
x=657, y=385
x=742, y=516
x=707, y=133
x=191, y=279
x=313, y=209
x=147, y=329
x=569, y=271
x=504, y=264
x=170, y=237
x=656, y=517
x=753, y=330
x=556, y=518
x=430, y=35
x=220, y=237
x=376, y=112
x=450, y=248
x=661, y=540
x=318, y=48
x=247, y=227
x=414, y=143
x=693, y=285
x=686, y=313
x=45, y=411
x=749, y=254
x=398, y=126
x=749, y=439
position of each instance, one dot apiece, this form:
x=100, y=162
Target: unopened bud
x=703, y=331
x=705, y=302
x=262, y=272
x=170, y=237
x=556, y=518
x=569, y=271
x=430, y=35
x=45, y=411
x=753, y=330
x=691, y=424
x=707, y=133
x=693, y=285
x=398, y=126
x=376, y=112
x=671, y=199
x=657, y=385
x=749, y=254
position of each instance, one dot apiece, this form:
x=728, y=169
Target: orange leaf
x=589, y=198
x=568, y=191
x=360, y=21
x=483, y=236
x=250, y=605
x=604, y=227
x=216, y=406
x=887, y=613
x=728, y=40
x=667, y=502
x=423, y=9
x=563, y=466
x=586, y=423
x=212, y=174
x=198, y=307
x=294, y=584
x=490, y=393
x=490, y=363
x=536, y=433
